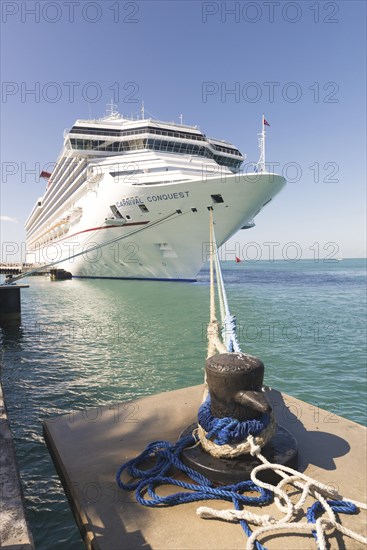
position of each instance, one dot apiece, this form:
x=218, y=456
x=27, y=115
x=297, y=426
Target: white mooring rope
x=306, y=486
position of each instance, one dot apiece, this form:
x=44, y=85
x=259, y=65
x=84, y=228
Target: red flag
x=266, y=123
x=45, y=174
x=237, y=260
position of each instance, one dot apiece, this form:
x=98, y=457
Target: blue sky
x=221, y=64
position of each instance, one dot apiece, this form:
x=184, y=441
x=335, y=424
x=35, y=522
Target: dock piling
x=10, y=304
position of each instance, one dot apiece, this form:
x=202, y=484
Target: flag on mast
x=266, y=123
x=45, y=174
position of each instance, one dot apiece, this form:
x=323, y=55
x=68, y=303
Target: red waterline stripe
x=95, y=229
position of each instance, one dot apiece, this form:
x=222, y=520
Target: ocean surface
x=83, y=343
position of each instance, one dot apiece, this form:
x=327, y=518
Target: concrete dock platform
x=14, y=530
x=88, y=447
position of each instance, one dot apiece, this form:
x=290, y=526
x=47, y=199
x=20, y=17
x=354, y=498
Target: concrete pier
x=14, y=530
x=88, y=447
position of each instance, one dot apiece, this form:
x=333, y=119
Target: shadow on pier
x=329, y=446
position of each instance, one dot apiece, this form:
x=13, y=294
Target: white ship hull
x=142, y=214
x=154, y=246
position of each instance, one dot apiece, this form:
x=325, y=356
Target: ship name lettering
x=168, y=196
x=129, y=201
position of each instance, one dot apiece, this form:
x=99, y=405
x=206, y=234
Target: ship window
x=217, y=198
x=115, y=212
x=194, y=209
x=143, y=208
x=128, y=217
x=144, y=129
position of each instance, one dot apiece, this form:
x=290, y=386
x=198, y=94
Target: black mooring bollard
x=235, y=385
x=235, y=381
x=10, y=306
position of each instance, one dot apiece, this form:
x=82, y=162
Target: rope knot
x=255, y=450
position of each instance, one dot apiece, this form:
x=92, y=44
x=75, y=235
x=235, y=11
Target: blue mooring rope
x=229, y=334
x=338, y=506
x=229, y=430
x=167, y=456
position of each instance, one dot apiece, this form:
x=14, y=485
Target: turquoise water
x=83, y=343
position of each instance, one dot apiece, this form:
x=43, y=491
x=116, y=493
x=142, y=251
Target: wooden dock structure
x=17, y=268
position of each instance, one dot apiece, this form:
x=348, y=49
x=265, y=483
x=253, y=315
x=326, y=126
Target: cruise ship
x=129, y=198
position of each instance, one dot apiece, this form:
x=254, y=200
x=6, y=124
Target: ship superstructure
x=130, y=198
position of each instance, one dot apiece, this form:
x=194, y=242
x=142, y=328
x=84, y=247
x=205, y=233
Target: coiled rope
x=229, y=438
x=305, y=485
x=167, y=456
